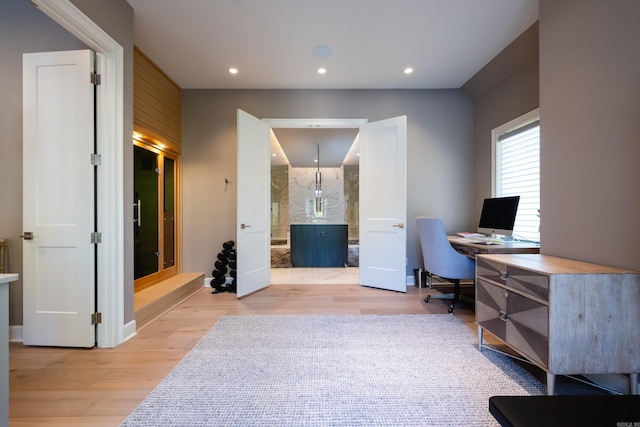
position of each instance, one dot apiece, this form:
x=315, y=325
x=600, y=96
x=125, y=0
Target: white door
x=58, y=199
x=383, y=204
x=254, y=200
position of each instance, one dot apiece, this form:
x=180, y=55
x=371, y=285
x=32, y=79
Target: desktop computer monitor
x=498, y=215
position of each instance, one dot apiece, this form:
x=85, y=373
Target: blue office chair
x=440, y=259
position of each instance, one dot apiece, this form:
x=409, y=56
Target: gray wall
x=506, y=88
x=23, y=28
x=439, y=151
x=585, y=81
x=590, y=122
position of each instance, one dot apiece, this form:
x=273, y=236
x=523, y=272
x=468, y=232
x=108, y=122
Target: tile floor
x=315, y=276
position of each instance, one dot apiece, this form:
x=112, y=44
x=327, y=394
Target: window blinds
x=518, y=173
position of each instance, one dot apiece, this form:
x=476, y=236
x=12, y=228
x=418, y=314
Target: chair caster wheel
x=450, y=310
x=428, y=298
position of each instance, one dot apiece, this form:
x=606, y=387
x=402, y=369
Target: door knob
x=243, y=226
x=28, y=235
x=400, y=225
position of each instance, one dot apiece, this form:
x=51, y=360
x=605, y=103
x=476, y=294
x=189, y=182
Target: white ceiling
x=301, y=146
x=271, y=42
x=371, y=42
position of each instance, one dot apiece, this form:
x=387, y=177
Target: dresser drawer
x=527, y=282
x=521, y=322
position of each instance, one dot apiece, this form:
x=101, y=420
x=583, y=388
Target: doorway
x=302, y=151
x=382, y=217
x=154, y=218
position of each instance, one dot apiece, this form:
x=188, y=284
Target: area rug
x=369, y=370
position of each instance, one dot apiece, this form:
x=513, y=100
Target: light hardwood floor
x=100, y=387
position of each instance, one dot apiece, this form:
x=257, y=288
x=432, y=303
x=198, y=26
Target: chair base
x=455, y=296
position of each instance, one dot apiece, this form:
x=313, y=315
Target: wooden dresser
x=567, y=317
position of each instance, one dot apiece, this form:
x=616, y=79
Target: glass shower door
x=145, y=216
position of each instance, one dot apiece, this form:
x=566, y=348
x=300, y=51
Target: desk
x=4, y=346
x=467, y=247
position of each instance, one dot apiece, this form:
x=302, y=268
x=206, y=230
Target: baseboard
x=15, y=333
x=129, y=330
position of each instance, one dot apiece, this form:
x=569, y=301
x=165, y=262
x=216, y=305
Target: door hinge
x=96, y=237
x=96, y=318
x=95, y=79
x=96, y=159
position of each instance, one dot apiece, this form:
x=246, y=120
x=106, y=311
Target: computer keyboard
x=485, y=240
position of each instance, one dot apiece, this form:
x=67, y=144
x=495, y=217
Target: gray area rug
x=401, y=370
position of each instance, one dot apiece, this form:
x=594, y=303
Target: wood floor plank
x=100, y=387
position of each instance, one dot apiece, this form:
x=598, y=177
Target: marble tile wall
x=352, y=199
x=279, y=202
x=293, y=199
x=302, y=186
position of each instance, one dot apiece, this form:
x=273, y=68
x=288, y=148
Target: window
x=516, y=170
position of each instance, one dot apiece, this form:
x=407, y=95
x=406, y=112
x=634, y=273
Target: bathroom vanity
x=319, y=245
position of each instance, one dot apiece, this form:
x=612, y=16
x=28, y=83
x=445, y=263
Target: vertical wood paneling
x=157, y=102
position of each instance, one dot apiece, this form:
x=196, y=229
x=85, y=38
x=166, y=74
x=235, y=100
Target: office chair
x=440, y=259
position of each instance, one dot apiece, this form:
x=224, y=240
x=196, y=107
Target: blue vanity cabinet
x=319, y=245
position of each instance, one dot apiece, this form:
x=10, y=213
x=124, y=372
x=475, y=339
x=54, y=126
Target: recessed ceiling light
x=233, y=70
x=322, y=70
x=408, y=70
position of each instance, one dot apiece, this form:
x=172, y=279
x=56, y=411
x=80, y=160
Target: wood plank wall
x=157, y=103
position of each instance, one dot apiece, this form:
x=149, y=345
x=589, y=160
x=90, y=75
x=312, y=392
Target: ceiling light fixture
x=322, y=70
x=233, y=70
x=318, y=184
x=408, y=70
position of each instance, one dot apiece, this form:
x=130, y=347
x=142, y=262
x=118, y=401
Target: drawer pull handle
x=503, y=316
x=504, y=275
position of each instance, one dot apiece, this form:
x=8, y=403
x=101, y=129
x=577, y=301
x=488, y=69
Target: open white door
x=383, y=204
x=254, y=198
x=58, y=199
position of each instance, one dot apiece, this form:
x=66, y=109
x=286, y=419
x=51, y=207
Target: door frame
x=110, y=174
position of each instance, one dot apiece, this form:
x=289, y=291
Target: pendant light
x=318, y=183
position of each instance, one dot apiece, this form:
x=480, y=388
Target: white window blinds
x=517, y=172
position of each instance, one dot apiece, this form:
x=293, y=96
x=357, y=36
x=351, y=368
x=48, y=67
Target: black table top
x=566, y=411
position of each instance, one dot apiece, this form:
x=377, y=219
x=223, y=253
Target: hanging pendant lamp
x=318, y=184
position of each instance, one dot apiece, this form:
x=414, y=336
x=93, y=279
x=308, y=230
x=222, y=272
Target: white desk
x=5, y=279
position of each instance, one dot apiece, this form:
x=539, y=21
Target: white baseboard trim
x=15, y=333
x=129, y=330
